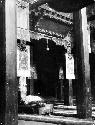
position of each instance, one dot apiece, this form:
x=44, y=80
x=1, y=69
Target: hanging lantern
x=47, y=46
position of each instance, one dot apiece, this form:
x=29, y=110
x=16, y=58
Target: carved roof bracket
x=66, y=42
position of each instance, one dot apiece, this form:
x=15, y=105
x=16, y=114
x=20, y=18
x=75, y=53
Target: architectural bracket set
x=66, y=42
x=61, y=16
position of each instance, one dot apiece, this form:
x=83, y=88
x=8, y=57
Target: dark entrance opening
x=47, y=64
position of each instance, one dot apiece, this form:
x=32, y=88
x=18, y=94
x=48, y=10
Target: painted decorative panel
x=52, y=26
x=23, y=62
x=69, y=67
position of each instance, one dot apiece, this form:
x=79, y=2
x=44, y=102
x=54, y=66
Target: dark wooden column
x=70, y=93
x=8, y=84
x=31, y=64
x=84, y=106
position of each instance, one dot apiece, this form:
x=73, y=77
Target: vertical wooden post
x=31, y=86
x=84, y=104
x=31, y=64
x=2, y=62
x=70, y=93
x=62, y=94
x=8, y=82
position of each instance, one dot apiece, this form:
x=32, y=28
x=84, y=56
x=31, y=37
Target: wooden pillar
x=31, y=64
x=8, y=84
x=31, y=86
x=70, y=93
x=62, y=94
x=84, y=104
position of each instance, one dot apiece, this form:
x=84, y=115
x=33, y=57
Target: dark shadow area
x=47, y=64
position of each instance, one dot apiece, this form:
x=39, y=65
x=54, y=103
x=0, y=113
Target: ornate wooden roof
x=64, y=17
x=42, y=17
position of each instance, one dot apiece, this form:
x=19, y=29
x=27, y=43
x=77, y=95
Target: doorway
x=47, y=62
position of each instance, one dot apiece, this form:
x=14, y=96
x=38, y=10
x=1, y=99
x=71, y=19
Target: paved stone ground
x=22, y=122
x=69, y=111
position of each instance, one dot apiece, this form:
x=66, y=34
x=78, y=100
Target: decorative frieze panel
x=51, y=27
x=50, y=33
x=66, y=42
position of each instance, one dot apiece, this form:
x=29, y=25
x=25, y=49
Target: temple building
x=47, y=54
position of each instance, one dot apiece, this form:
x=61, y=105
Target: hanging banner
x=69, y=67
x=23, y=21
x=23, y=62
